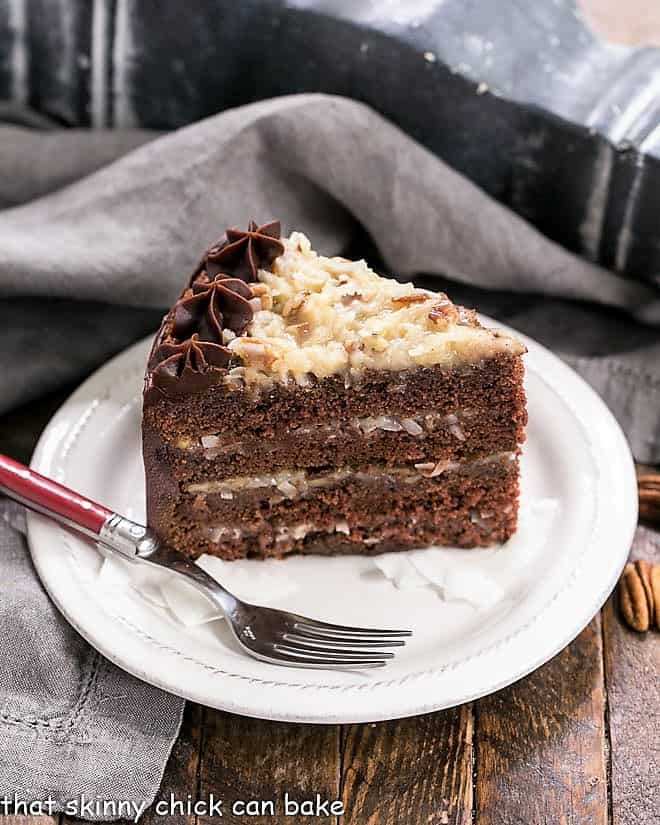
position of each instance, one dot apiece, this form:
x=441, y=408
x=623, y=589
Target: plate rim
x=50, y=445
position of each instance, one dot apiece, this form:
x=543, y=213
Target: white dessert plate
x=481, y=619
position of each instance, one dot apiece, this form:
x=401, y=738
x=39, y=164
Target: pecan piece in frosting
x=443, y=312
x=254, y=352
x=411, y=298
x=295, y=303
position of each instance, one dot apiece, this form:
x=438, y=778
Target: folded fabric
x=126, y=235
x=73, y=727
x=86, y=269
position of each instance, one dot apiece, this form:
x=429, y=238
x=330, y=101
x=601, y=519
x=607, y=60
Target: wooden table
x=577, y=742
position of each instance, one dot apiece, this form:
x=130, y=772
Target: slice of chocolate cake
x=301, y=404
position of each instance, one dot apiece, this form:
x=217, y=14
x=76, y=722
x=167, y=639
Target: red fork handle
x=46, y=496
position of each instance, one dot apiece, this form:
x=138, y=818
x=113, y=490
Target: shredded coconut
x=325, y=316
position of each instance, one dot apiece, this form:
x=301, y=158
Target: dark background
x=161, y=64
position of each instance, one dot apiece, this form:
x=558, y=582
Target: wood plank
x=413, y=771
x=632, y=671
x=540, y=744
x=251, y=759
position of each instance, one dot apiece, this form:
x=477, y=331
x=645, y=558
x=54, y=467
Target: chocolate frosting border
x=189, y=353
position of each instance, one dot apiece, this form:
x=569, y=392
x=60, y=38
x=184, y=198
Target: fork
x=274, y=636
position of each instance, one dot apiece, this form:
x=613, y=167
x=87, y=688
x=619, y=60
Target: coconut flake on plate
x=188, y=605
x=251, y=580
x=117, y=574
x=254, y=580
x=398, y=568
x=472, y=576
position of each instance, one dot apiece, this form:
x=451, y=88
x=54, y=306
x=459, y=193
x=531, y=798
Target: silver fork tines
x=280, y=637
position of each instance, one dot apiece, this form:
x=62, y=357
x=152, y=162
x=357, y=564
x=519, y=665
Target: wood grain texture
x=252, y=759
x=632, y=675
x=409, y=771
x=540, y=743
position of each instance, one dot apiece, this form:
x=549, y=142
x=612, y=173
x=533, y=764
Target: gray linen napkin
x=87, y=268
x=127, y=235
x=74, y=729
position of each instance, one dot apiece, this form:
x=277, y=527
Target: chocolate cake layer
x=479, y=387
x=487, y=416
x=467, y=507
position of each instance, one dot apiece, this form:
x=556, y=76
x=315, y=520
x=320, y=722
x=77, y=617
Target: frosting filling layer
x=299, y=531
x=287, y=532
x=294, y=483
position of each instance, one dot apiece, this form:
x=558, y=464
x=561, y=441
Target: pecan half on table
x=639, y=595
x=648, y=486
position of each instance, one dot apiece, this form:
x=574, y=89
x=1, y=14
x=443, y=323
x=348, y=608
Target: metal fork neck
x=127, y=537
x=139, y=543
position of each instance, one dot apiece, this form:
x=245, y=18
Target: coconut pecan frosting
x=190, y=353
